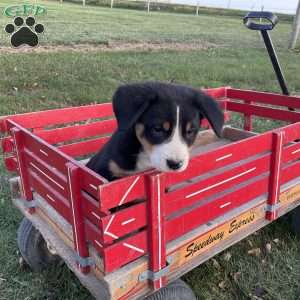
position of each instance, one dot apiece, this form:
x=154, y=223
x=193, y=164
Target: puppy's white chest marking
x=143, y=162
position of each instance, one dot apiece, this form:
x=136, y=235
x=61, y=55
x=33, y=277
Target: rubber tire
x=296, y=220
x=176, y=290
x=33, y=247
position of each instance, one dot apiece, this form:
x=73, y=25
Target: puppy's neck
x=131, y=156
x=143, y=161
x=142, y=158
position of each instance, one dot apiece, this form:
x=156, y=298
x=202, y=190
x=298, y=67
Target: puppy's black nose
x=174, y=165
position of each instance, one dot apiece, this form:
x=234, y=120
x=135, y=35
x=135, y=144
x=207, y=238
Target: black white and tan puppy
x=157, y=126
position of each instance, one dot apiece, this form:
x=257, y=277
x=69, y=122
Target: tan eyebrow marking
x=188, y=126
x=139, y=130
x=166, y=126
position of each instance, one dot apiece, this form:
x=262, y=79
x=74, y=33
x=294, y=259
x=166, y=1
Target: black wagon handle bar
x=271, y=19
x=269, y=22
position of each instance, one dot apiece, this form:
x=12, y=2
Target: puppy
x=157, y=126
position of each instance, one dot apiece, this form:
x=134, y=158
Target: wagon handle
x=262, y=15
x=264, y=30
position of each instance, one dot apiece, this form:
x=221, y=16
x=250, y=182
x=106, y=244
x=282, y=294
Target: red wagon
x=127, y=238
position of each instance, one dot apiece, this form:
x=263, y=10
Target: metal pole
x=275, y=62
x=111, y=3
x=197, y=8
x=296, y=29
x=148, y=6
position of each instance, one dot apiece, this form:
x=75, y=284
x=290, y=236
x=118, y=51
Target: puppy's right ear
x=209, y=108
x=130, y=102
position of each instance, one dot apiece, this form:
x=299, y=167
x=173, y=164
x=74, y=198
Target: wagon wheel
x=176, y=290
x=33, y=247
x=296, y=220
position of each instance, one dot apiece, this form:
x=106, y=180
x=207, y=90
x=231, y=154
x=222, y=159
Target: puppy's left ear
x=130, y=102
x=209, y=108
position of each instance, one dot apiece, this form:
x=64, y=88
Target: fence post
x=83, y=2
x=274, y=183
x=80, y=243
x=197, y=8
x=111, y=3
x=25, y=186
x=296, y=29
x=148, y=6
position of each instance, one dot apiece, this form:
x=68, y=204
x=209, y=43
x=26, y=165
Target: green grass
x=70, y=24
x=35, y=81
x=166, y=7
x=277, y=273
x=45, y=80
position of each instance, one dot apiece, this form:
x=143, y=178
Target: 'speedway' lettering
x=195, y=247
x=234, y=226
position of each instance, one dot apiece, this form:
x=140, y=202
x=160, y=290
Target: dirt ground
x=110, y=47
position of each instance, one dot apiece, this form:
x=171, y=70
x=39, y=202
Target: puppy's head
x=165, y=119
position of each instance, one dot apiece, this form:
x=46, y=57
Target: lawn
x=229, y=55
x=71, y=24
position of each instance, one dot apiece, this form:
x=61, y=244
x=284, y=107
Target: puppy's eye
x=191, y=132
x=158, y=129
